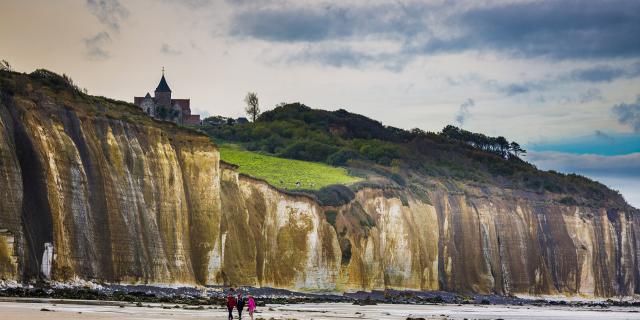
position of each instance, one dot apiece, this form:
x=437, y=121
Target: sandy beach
x=326, y=311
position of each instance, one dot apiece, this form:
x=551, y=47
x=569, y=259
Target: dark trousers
x=239, y=312
x=230, y=313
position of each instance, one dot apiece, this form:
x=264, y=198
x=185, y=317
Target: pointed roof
x=163, y=86
x=148, y=95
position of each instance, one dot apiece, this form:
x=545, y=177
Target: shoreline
x=316, y=311
x=89, y=293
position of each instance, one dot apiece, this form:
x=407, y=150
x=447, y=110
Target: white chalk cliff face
x=91, y=190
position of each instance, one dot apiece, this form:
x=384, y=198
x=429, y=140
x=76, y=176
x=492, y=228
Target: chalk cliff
x=91, y=188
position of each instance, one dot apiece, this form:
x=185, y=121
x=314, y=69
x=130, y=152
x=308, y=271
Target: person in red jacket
x=231, y=304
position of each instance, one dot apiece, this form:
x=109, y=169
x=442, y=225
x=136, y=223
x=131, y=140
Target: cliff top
x=56, y=93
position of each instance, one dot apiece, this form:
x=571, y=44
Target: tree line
x=497, y=145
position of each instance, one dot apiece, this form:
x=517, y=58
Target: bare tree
x=252, y=109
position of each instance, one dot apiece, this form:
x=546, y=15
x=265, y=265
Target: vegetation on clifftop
x=341, y=138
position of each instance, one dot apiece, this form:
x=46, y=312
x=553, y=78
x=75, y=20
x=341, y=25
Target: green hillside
x=402, y=158
x=284, y=173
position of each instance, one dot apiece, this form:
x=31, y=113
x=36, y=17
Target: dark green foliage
x=298, y=132
x=334, y=195
x=497, y=145
x=307, y=150
x=341, y=138
x=217, y=120
x=341, y=157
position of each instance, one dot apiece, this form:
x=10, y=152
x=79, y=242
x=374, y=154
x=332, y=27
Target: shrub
x=341, y=157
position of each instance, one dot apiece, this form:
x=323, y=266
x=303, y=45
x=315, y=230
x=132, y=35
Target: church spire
x=163, y=86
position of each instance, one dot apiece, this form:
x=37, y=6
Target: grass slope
x=284, y=173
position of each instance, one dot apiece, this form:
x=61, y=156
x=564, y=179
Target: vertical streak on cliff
x=200, y=172
x=467, y=270
x=35, y=216
x=239, y=266
x=492, y=248
x=635, y=246
x=11, y=205
x=96, y=242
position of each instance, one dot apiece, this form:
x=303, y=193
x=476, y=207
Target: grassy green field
x=284, y=173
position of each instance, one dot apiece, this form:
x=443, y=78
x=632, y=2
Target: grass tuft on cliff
x=284, y=173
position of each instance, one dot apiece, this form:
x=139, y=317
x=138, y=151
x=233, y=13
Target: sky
x=560, y=77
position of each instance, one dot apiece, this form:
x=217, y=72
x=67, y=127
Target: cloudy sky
x=560, y=77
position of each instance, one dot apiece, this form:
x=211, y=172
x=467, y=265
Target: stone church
x=162, y=106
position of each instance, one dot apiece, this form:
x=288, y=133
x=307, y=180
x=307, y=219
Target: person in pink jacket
x=251, y=306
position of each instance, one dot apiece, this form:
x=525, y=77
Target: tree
x=252, y=109
x=516, y=149
x=5, y=66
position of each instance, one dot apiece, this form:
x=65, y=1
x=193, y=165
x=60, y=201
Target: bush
x=335, y=195
x=308, y=150
x=341, y=157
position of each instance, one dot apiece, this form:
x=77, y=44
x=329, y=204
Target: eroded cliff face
x=118, y=201
x=499, y=242
x=87, y=193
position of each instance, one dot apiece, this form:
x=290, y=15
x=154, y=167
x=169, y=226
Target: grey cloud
x=605, y=73
x=192, y=4
x=463, y=111
x=521, y=88
x=592, y=94
x=111, y=13
x=95, y=46
x=571, y=29
x=600, y=73
x=289, y=23
x=346, y=57
x=628, y=114
x=514, y=89
x=169, y=50
x=620, y=165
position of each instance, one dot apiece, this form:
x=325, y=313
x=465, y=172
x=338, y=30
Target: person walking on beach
x=251, y=306
x=231, y=303
x=240, y=305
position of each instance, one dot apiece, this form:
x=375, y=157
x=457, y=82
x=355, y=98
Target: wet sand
x=325, y=311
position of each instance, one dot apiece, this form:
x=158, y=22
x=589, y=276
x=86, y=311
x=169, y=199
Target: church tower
x=163, y=93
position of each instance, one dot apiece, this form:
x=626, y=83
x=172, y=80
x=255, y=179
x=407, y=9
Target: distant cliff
x=94, y=189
